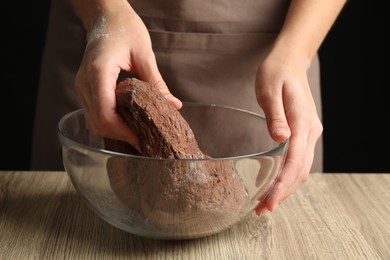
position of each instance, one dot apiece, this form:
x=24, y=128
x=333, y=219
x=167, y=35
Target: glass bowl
x=177, y=198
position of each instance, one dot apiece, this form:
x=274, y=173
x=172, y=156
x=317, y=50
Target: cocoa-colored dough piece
x=161, y=130
x=176, y=196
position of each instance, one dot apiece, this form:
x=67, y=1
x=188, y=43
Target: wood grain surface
x=331, y=216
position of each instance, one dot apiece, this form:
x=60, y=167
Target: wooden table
x=331, y=216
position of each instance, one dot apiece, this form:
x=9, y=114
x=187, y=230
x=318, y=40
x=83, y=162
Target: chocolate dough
x=179, y=196
x=161, y=130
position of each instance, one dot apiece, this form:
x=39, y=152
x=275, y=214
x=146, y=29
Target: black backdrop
x=356, y=116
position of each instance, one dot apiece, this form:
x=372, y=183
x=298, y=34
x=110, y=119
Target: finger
x=314, y=135
x=287, y=181
x=162, y=87
x=148, y=71
x=297, y=166
x=261, y=209
x=80, y=87
x=124, y=133
x=99, y=100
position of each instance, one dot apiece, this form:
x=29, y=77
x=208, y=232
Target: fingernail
x=262, y=212
x=279, y=132
x=273, y=207
x=175, y=101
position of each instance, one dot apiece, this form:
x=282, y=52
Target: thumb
x=277, y=126
x=159, y=83
x=276, y=118
x=148, y=71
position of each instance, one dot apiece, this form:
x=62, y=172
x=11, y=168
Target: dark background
x=356, y=116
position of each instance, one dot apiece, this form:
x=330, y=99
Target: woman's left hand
x=283, y=92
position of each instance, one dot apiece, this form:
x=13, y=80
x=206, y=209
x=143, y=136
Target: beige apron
x=206, y=51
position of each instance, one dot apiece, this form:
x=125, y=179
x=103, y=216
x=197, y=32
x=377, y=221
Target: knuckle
x=159, y=84
x=263, y=96
x=79, y=79
x=277, y=119
x=103, y=123
x=304, y=177
x=319, y=128
x=101, y=127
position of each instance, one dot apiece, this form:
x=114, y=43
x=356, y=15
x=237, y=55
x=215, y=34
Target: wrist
x=92, y=12
x=288, y=50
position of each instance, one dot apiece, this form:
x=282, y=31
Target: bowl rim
x=64, y=139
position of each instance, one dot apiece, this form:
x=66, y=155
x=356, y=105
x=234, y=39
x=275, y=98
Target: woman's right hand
x=117, y=40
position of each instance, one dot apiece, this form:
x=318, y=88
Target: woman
x=256, y=55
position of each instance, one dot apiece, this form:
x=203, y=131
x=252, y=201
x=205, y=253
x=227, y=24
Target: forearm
x=90, y=11
x=306, y=25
